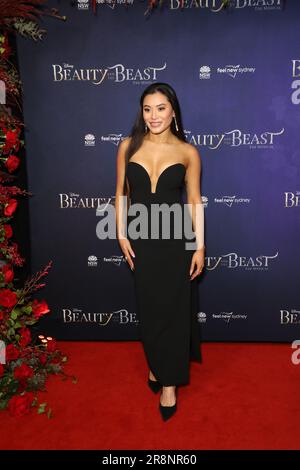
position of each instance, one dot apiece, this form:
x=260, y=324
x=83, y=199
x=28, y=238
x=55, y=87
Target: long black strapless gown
x=166, y=298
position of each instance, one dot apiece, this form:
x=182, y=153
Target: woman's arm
x=120, y=198
x=192, y=180
x=121, y=204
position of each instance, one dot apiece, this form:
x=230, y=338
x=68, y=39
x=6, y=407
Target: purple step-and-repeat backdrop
x=236, y=72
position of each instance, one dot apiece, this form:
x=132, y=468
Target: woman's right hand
x=128, y=251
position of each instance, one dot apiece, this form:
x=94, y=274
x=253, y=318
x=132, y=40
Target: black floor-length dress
x=166, y=298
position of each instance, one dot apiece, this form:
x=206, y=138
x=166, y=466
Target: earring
x=146, y=128
x=175, y=123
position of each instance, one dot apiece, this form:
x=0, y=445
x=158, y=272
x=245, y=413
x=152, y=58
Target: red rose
x=1, y=370
x=39, y=308
x=8, y=230
x=10, y=207
x=1, y=315
x=8, y=298
x=25, y=337
x=8, y=273
x=11, y=138
x=20, y=405
x=51, y=345
x=12, y=353
x=43, y=358
x=12, y=163
x=23, y=372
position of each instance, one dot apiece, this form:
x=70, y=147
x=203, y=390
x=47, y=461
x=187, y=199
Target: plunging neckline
x=173, y=164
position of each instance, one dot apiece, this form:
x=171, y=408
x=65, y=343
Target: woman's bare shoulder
x=192, y=155
x=191, y=150
x=125, y=142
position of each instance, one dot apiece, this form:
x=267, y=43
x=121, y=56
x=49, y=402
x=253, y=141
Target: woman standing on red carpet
x=154, y=164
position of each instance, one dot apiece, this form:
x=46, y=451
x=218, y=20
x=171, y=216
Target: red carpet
x=243, y=396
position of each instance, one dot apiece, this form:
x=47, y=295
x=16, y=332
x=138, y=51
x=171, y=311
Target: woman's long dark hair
x=138, y=132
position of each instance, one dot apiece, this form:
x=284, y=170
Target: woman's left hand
x=198, y=263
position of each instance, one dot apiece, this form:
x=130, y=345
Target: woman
x=153, y=164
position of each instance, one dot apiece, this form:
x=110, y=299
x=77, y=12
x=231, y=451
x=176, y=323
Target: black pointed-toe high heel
x=167, y=411
x=154, y=385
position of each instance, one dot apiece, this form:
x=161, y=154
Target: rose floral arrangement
x=26, y=360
